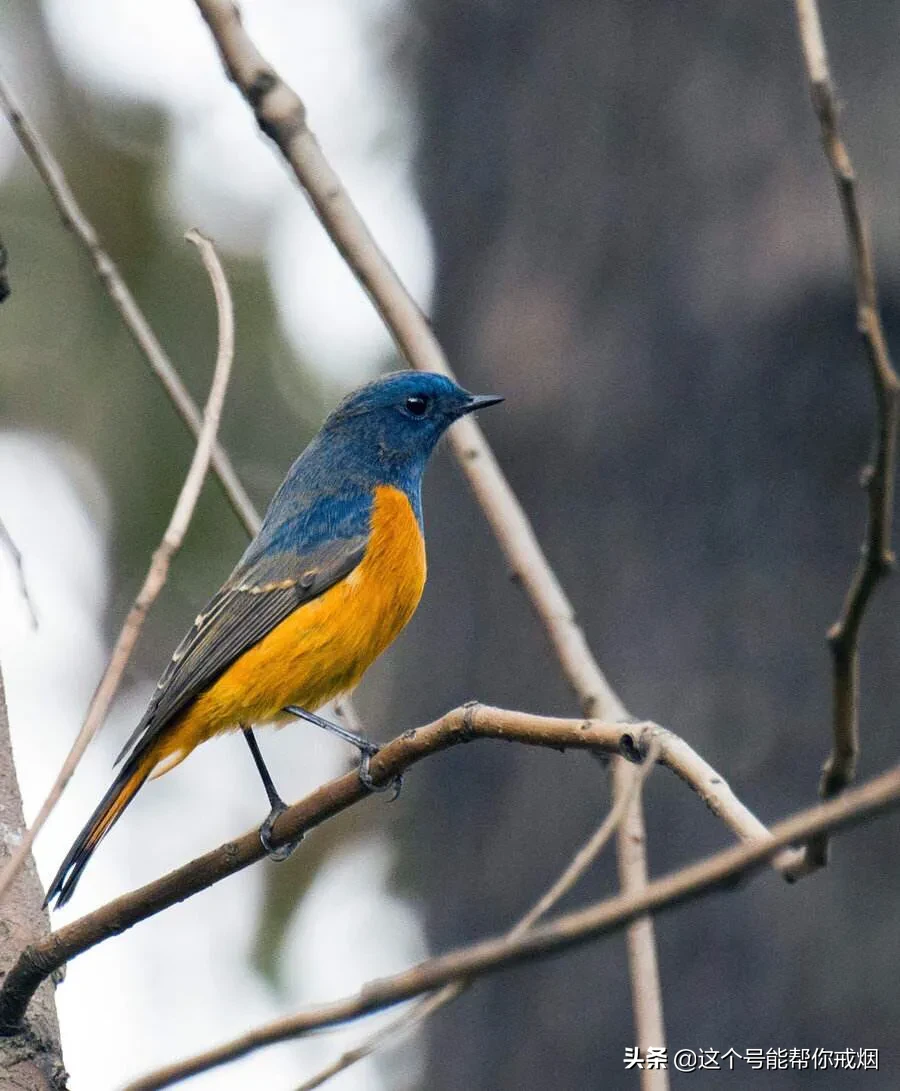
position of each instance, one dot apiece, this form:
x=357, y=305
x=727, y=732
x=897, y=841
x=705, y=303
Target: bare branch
x=159, y=565
x=572, y=874
x=73, y=218
x=717, y=872
x=877, y=558
x=13, y=550
x=646, y=990
x=462, y=724
x=281, y=115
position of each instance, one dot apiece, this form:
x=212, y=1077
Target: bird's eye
x=417, y=405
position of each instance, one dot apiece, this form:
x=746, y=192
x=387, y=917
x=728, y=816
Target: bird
x=335, y=572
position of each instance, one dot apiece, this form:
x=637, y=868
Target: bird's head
x=397, y=419
x=380, y=434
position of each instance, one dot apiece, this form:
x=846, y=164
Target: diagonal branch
x=72, y=217
x=571, y=875
x=159, y=566
x=877, y=558
x=281, y=115
x=721, y=871
x=458, y=726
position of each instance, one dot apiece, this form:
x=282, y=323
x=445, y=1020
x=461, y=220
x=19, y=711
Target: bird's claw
x=366, y=777
x=276, y=852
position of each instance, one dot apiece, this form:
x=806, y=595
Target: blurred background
x=619, y=216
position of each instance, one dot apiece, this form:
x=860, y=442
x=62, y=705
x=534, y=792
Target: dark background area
x=637, y=238
x=637, y=242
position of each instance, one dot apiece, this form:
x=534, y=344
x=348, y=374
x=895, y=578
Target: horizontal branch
x=716, y=872
x=473, y=721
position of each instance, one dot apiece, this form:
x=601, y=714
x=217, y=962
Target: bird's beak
x=480, y=401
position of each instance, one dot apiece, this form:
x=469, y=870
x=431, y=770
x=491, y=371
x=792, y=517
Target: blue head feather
x=381, y=434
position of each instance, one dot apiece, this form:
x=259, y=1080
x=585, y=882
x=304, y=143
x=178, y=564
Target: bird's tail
x=123, y=789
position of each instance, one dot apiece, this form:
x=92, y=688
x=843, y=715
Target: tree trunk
x=31, y=1057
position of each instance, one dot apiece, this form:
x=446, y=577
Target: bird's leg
x=362, y=744
x=277, y=804
x=366, y=747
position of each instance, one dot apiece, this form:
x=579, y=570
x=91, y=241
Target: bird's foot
x=276, y=852
x=365, y=775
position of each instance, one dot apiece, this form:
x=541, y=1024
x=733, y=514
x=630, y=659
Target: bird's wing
x=259, y=595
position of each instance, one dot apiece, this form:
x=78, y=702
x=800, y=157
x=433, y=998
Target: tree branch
x=575, y=869
x=463, y=724
x=281, y=115
x=159, y=566
x=646, y=989
x=720, y=871
x=877, y=558
x=73, y=218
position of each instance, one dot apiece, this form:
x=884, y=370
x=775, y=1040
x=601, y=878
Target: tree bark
x=31, y=1056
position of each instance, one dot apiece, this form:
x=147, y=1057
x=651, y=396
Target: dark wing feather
x=256, y=598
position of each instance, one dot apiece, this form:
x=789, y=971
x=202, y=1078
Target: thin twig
x=718, y=872
x=13, y=550
x=571, y=875
x=73, y=218
x=159, y=565
x=281, y=115
x=877, y=558
x=458, y=726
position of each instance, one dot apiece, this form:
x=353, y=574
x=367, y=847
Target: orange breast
x=326, y=645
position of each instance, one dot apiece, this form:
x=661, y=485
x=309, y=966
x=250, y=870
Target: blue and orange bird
x=335, y=572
